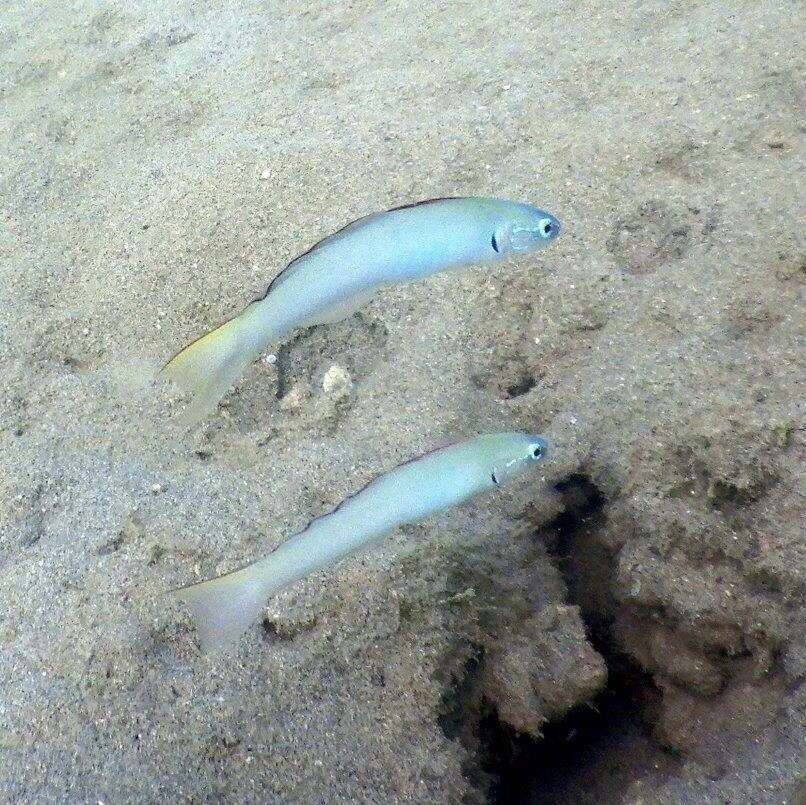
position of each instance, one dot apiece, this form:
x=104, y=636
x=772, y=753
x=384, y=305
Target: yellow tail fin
x=208, y=367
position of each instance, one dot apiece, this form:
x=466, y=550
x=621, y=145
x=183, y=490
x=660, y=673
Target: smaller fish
x=335, y=277
x=224, y=607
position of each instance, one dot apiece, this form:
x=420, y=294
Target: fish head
x=521, y=228
x=507, y=455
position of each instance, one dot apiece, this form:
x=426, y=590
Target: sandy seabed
x=626, y=626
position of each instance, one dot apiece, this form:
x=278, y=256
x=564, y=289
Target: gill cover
x=510, y=238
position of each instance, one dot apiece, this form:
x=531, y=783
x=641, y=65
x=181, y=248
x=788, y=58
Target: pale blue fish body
x=339, y=274
x=224, y=607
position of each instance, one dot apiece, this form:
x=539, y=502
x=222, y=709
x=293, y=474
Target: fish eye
x=494, y=243
x=494, y=478
x=536, y=452
x=546, y=227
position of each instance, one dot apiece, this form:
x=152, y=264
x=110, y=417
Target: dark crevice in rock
x=461, y=718
x=591, y=755
x=452, y=720
x=586, y=565
x=596, y=751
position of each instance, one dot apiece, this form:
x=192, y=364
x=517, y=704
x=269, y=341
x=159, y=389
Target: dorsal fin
x=285, y=273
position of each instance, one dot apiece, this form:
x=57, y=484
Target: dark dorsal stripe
x=343, y=229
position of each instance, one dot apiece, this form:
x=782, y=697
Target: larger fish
x=224, y=607
x=336, y=276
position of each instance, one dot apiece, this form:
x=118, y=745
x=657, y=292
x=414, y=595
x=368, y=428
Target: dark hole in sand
x=600, y=749
x=523, y=385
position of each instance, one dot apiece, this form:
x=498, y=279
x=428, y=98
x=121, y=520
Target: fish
x=224, y=607
x=340, y=273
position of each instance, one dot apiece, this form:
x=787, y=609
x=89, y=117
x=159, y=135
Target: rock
x=687, y=723
x=540, y=673
x=337, y=381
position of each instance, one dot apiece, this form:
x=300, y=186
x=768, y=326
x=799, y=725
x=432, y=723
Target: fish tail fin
x=223, y=608
x=207, y=368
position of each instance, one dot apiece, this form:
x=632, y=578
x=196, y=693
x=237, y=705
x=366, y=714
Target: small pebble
x=157, y=488
x=270, y=359
x=337, y=380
